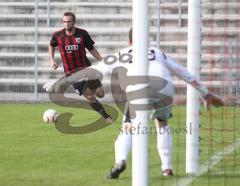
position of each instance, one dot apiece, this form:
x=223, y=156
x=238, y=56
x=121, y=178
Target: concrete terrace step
x=98, y=7
x=47, y=69
x=81, y=17
x=180, y=56
x=85, y=7
x=28, y=46
x=111, y=3
x=178, y=83
x=24, y=43
x=120, y=3
x=63, y=1
x=50, y=30
x=32, y=68
x=220, y=5
x=109, y=47
x=98, y=33
x=59, y=16
x=32, y=81
x=108, y=20
x=66, y=4
x=119, y=30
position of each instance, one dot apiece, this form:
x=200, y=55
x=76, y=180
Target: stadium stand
x=108, y=21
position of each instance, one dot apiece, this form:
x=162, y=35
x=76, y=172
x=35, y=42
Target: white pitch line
x=216, y=158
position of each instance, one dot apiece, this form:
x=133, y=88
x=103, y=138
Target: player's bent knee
x=100, y=92
x=90, y=98
x=100, y=95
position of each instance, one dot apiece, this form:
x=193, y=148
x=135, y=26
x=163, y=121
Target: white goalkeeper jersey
x=160, y=65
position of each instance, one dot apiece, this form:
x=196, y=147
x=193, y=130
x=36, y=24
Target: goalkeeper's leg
x=123, y=145
x=164, y=146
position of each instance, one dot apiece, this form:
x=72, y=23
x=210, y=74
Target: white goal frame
x=193, y=104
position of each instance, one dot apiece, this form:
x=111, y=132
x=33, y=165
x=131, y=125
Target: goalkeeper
x=162, y=66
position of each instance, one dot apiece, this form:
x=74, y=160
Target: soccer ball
x=50, y=116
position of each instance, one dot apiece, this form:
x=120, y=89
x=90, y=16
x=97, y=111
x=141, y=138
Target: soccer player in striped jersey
x=72, y=43
x=161, y=66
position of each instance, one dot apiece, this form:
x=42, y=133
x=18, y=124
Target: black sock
x=99, y=108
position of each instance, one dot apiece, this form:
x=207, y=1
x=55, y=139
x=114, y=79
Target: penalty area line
x=215, y=159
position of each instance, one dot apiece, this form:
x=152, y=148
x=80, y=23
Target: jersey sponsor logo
x=70, y=48
x=78, y=40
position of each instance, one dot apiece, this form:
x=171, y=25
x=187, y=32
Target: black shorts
x=81, y=86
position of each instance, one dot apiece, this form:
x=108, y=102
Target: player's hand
x=54, y=65
x=212, y=99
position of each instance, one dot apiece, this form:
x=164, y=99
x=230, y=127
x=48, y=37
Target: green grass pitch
x=34, y=153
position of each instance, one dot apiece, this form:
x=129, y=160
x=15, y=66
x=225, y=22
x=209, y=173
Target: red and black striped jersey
x=72, y=49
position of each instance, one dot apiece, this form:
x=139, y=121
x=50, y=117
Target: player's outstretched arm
x=212, y=99
x=182, y=72
x=209, y=97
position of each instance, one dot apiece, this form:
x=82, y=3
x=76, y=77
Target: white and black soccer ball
x=50, y=116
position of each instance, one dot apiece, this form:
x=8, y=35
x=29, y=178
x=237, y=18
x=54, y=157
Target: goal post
x=193, y=105
x=140, y=62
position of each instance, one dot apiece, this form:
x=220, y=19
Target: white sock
x=123, y=145
x=164, y=146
